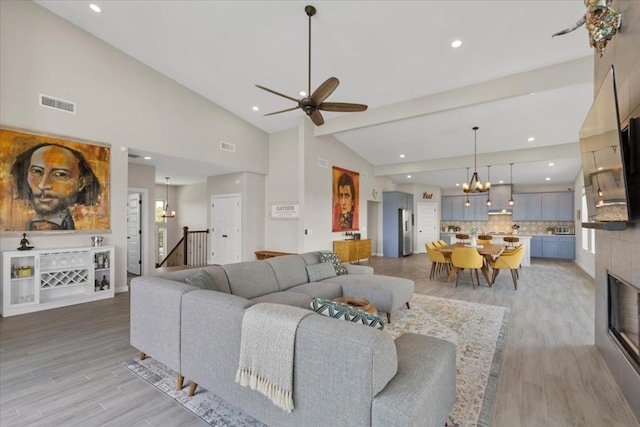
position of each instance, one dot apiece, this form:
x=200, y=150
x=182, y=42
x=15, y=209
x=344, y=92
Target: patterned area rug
x=477, y=330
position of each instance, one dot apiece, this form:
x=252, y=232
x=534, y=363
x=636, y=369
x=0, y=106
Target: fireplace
x=624, y=318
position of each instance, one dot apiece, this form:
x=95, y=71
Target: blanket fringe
x=279, y=396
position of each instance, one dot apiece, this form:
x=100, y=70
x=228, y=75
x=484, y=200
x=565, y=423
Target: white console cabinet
x=49, y=278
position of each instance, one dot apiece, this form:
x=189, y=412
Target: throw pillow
x=335, y=259
x=338, y=310
x=202, y=280
x=320, y=271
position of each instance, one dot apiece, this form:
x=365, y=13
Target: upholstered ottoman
x=384, y=292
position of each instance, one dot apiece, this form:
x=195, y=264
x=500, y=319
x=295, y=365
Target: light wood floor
x=62, y=367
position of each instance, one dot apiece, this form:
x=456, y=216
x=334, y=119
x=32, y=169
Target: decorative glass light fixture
x=475, y=185
x=467, y=202
x=489, y=180
x=597, y=177
x=511, y=202
x=167, y=213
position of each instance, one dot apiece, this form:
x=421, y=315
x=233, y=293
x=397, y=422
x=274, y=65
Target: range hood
x=500, y=195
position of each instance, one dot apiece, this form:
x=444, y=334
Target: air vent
x=133, y=156
x=227, y=146
x=364, y=175
x=58, y=104
x=322, y=163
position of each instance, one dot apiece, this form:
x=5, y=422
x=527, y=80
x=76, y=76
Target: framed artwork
x=346, y=190
x=51, y=184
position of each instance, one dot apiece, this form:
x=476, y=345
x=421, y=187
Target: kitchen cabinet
x=453, y=208
x=352, y=250
x=536, y=247
x=565, y=206
x=519, y=208
x=49, y=278
x=559, y=247
x=556, y=206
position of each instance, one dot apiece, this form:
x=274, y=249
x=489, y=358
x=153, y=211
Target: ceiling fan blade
x=277, y=93
x=282, y=111
x=325, y=89
x=316, y=118
x=342, y=107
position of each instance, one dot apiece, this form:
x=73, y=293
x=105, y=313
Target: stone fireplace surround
x=619, y=253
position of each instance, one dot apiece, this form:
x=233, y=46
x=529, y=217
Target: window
x=588, y=234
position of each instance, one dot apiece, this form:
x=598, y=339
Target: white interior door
x=427, y=224
x=134, y=233
x=225, y=229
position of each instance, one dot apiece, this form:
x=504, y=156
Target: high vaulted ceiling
x=509, y=77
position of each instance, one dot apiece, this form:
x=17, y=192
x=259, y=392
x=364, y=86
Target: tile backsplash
x=504, y=224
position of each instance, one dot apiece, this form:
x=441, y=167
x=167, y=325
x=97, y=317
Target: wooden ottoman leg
x=142, y=356
x=388, y=317
x=192, y=388
x=180, y=381
x=407, y=303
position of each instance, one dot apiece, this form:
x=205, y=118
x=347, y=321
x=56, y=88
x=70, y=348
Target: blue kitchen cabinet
x=536, y=247
x=565, y=206
x=519, y=208
x=559, y=247
x=453, y=208
x=533, y=207
x=548, y=206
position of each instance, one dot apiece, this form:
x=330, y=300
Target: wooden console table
x=352, y=250
x=269, y=254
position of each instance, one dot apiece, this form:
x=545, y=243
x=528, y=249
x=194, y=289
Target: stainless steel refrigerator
x=405, y=224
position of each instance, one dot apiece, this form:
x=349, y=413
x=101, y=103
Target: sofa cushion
x=289, y=270
x=251, y=279
x=202, y=280
x=320, y=271
x=296, y=299
x=338, y=310
x=322, y=289
x=335, y=259
x=311, y=258
x=217, y=273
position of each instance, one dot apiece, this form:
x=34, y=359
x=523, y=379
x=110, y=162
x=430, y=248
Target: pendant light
x=475, y=185
x=167, y=213
x=489, y=178
x=597, y=174
x=511, y=202
x=467, y=202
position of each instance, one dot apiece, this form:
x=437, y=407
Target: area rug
x=477, y=330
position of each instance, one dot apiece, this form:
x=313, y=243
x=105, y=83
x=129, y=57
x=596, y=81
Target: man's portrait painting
x=346, y=189
x=48, y=183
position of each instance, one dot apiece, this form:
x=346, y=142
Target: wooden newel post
x=185, y=233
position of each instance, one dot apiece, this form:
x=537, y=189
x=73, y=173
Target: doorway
x=374, y=226
x=427, y=225
x=226, y=218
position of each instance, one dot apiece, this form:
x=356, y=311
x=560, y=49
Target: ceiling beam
x=577, y=71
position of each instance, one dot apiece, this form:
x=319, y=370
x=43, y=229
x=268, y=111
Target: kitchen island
x=450, y=238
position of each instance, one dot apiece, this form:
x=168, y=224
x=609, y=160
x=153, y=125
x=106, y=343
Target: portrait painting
x=346, y=190
x=50, y=183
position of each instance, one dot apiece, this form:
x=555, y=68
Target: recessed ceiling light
x=501, y=182
x=95, y=8
x=147, y=158
x=408, y=176
x=552, y=164
x=255, y=108
x=456, y=43
x=600, y=168
x=402, y=156
x=531, y=139
x=532, y=93
x=547, y=179
x=303, y=93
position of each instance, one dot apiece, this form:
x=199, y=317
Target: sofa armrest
x=424, y=390
x=156, y=308
x=358, y=269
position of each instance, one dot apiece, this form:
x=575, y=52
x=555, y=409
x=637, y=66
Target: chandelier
x=166, y=213
x=475, y=185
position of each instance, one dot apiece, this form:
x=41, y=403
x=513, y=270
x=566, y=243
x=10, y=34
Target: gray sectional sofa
x=345, y=374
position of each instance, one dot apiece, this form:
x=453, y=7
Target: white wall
x=120, y=101
x=585, y=259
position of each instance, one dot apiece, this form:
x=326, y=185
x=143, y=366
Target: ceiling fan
x=312, y=104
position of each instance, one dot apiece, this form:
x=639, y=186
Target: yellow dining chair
x=462, y=258
x=508, y=261
x=442, y=243
x=483, y=240
x=438, y=260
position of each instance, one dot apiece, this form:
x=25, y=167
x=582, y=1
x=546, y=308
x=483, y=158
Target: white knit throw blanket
x=267, y=351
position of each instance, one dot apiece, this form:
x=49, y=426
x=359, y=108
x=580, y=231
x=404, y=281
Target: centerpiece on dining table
x=473, y=237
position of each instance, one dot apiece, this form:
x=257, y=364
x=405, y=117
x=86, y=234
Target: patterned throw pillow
x=320, y=271
x=338, y=310
x=202, y=280
x=335, y=259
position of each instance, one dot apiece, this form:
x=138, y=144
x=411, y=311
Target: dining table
x=489, y=252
